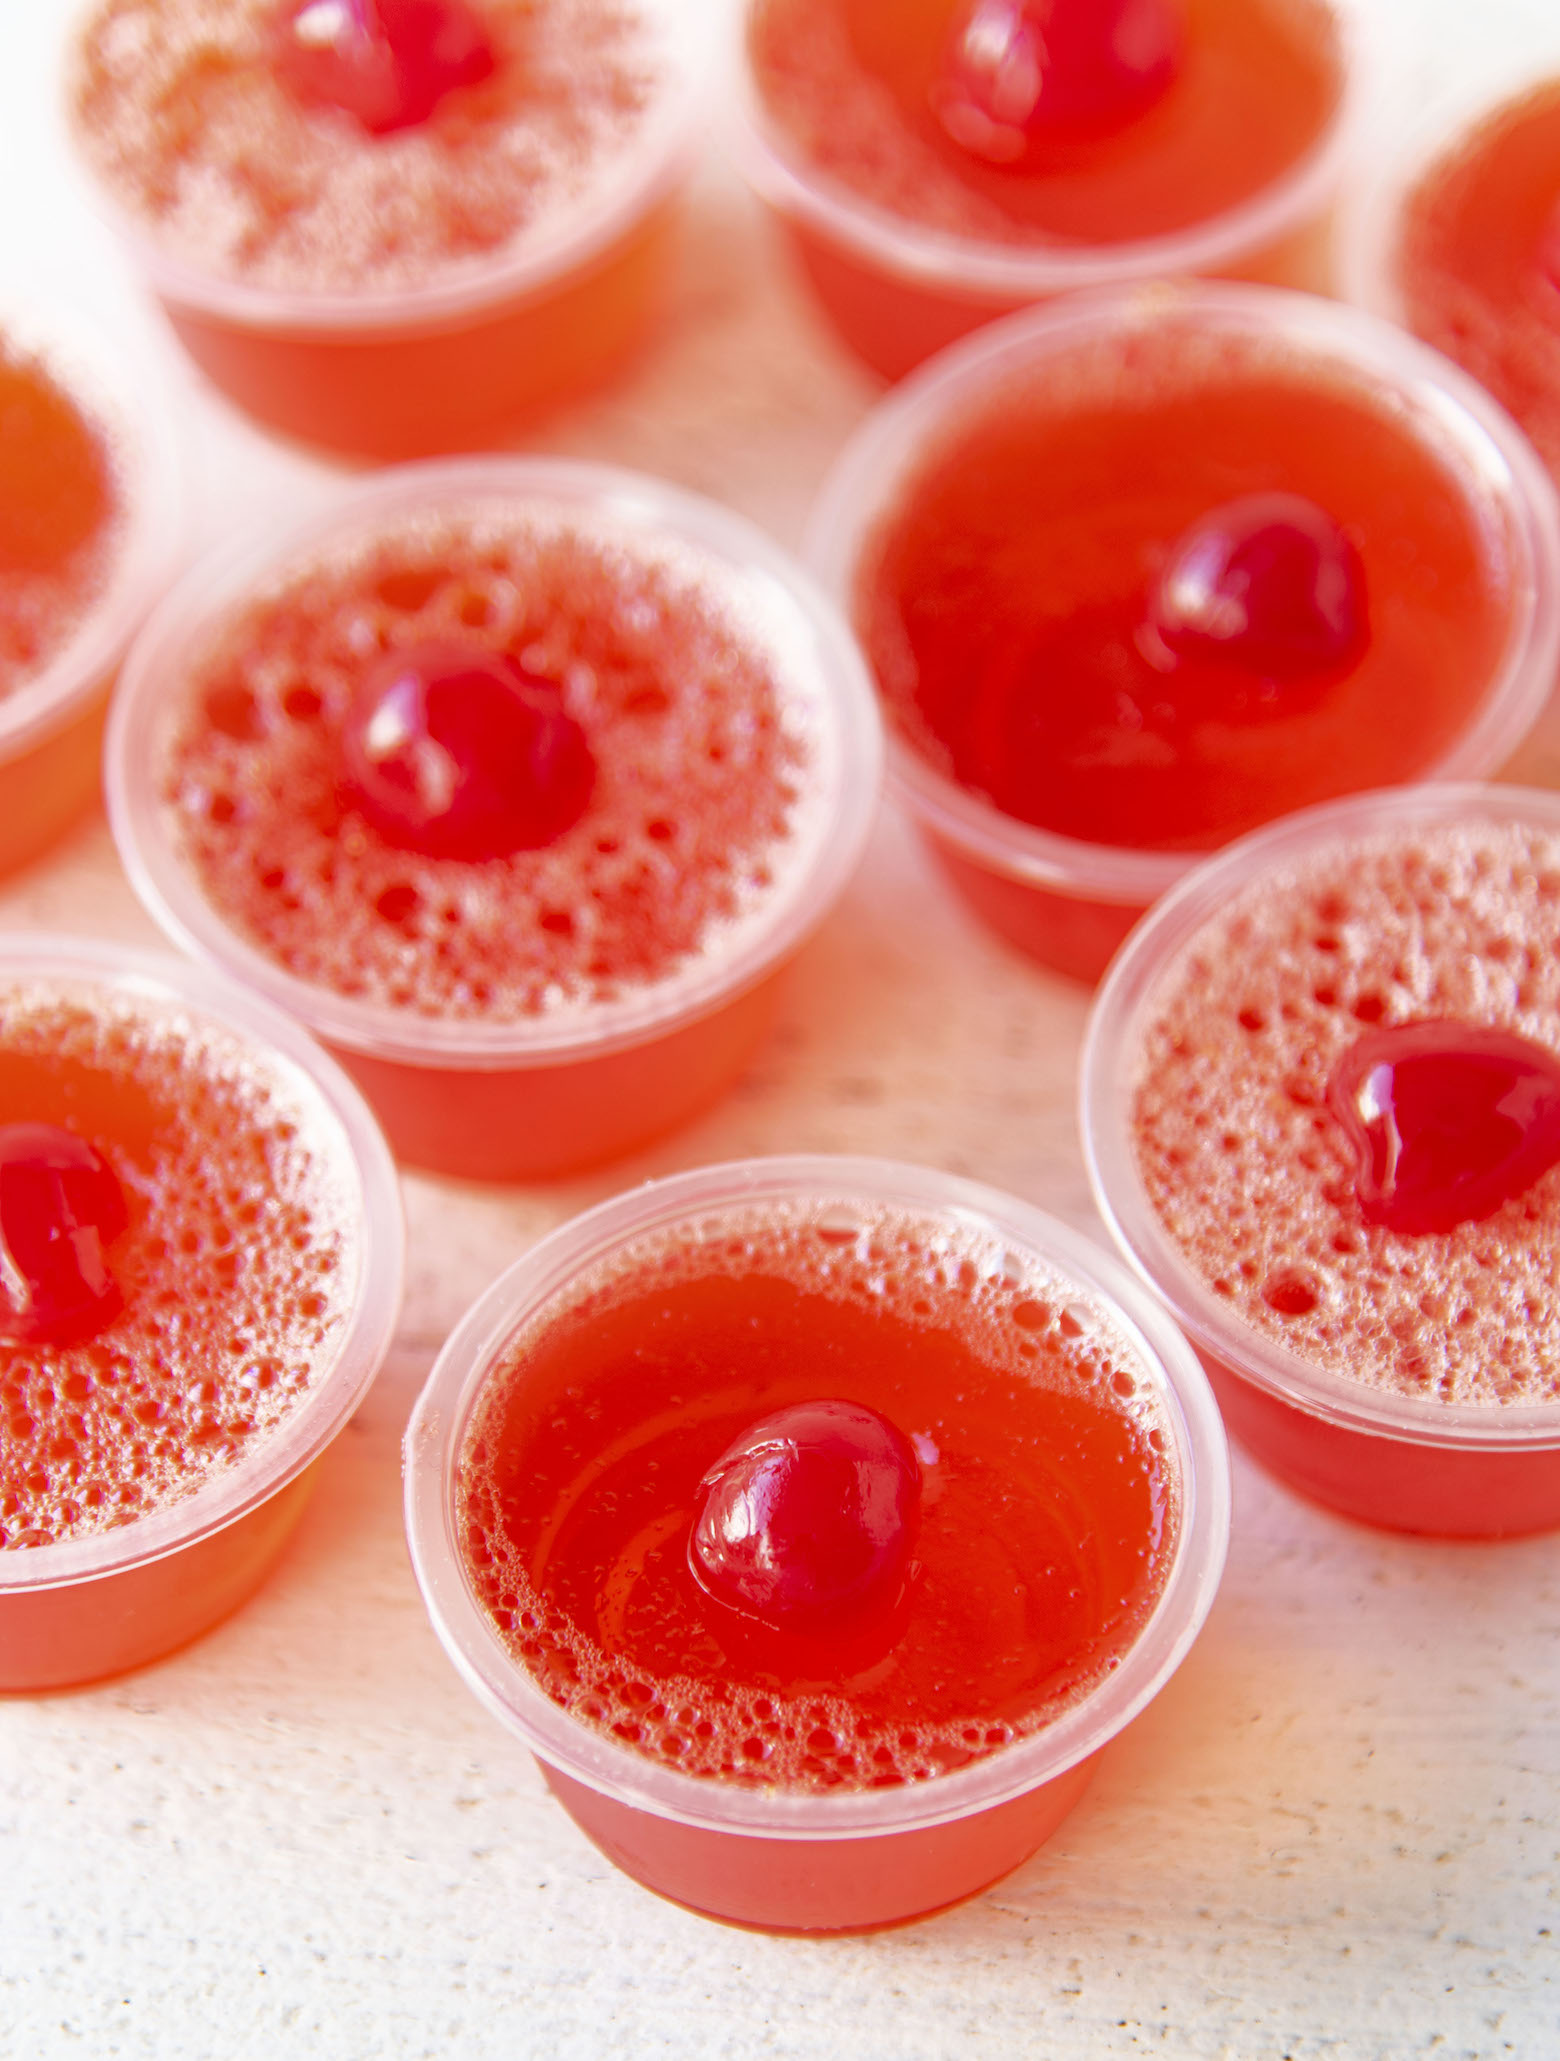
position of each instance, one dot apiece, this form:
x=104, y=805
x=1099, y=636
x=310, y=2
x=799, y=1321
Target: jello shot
x=816, y=1523
x=518, y=781
x=937, y=166
x=200, y=1268
x=1139, y=572
x=88, y=531
x=1460, y=241
x=1321, y=1099
x=394, y=227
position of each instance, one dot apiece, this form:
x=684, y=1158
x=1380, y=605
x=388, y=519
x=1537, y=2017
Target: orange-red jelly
x=852, y=85
x=228, y=1270
x=1478, y=259
x=60, y=506
x=1048, y=1517
x=1010, y=601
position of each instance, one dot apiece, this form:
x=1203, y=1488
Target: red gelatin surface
x=1475, y=260
x=228, y=1268
x=854, y=90
x=1249, y=1169
x=61, y=515
x=1011, y=600
x=182, y=110
x=696, y=817
x=1048, y=1518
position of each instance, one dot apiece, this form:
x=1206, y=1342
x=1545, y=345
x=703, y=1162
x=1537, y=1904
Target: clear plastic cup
x=448, y=362
x=772, y=1857
x=82, y=1607
x=1489, y=153
x=1410, y=1461
x=1070, y=902
x=51, y=725
x=474, y=1094
x=897, y=290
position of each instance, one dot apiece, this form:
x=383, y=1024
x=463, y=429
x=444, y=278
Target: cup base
x=807, y=1886
x=414, y=392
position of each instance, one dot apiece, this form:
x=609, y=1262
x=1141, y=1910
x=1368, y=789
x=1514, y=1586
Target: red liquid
x=1046, y=1529
x=1256, y=87
x=696, y=794
x=60, y=513
x=1254, y=1177
x=1008, y=602
x=229, y=1271
x=1475, y=260
x=849, y=90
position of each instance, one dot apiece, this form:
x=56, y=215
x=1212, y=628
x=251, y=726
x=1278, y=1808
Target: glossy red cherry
x=1268, y=583
x=1019, y=75
x=387, y=63
x=1448, y=1121
x=806, y=1523
x=464, y=754
x=60, y=1208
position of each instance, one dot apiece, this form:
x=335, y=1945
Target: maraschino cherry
x=1268, y=583
x=1447, y=1120
x=463, y=754
x=806, y=1524
x=387, y=63
x=60, y=1208
x=1019, y=76
x=1549, y=247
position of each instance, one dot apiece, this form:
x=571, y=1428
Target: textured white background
x=1336, y=1834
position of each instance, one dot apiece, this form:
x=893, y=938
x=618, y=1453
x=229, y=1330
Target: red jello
x=392, y=225
x=318, y=775
x=1474, y=262
x=1322, y=1102
x=1137, y=574
x=200, y=1239
x=85, y=516
x=942, y=163
x=675, y=1412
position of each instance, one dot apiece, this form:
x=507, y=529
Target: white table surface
x=1337, y=1833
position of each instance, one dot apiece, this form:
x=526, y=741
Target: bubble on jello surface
x=692, y=679
x=1452, y=923
x=233, y=1286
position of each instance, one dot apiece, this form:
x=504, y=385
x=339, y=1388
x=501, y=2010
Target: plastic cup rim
x=650, y=173
x=843, y=701
x=439, y=1420
x=121, y=398
x=357, y=1150
x=1119, y=1008
x=998, y=272
x=1485, y=447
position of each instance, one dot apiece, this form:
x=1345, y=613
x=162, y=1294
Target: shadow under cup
x=777, y=1858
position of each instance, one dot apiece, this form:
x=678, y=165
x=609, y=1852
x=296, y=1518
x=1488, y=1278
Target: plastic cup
x=1068, y=902
x=1407, y=1461
x=897, y=290
x=1486, y=155
x=79, y=1608
x=51, y=725
x=473, y=1095
x=772, y=1857
x=448, y=362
